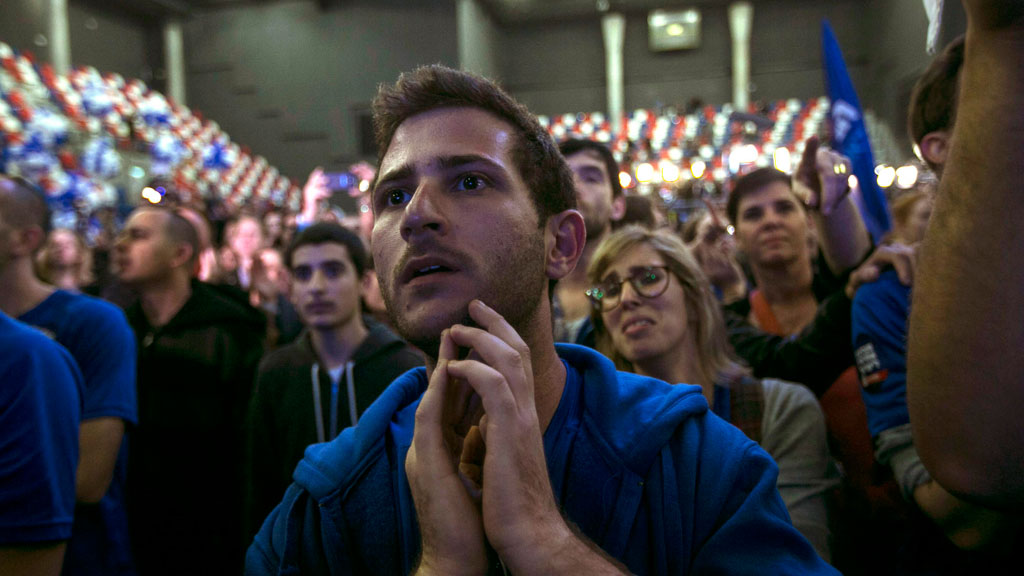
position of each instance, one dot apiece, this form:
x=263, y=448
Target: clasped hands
x=476, y=466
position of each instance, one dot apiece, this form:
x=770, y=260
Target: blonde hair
x=715, y=355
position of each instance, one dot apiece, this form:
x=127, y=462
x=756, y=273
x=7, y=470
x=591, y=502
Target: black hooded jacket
x=195, y=377
x=283, y=417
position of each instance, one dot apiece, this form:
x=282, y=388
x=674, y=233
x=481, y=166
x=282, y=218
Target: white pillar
x=60, y=37
x=475, y=31
x=741, y=15
x=174, y=61
x=613, y=26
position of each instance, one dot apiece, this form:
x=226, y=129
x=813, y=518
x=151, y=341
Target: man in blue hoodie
x=508, y=452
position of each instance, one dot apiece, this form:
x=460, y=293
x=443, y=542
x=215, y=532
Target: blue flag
x=850, y=135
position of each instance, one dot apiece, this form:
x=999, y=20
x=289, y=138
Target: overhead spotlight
x=625, y=180
x=697, y=169
x=151, y=195
x=364, y=185
x=645, y=172
x=782, y=160
x=852, y=182
x=886, y=176
x=669, y=172
x=906, y=176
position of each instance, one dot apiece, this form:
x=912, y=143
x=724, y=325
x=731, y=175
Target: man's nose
x=318, y=281
x=425, y=210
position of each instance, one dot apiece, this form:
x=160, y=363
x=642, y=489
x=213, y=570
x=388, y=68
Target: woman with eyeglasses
x=655, y=314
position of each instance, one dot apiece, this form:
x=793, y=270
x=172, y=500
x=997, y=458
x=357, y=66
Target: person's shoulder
x=97, y=315
x=218, y=304
x=790, y=391
x=635, y=415
x=31, y=356
x=336, y=464
x=886, y=289
x=279, y=367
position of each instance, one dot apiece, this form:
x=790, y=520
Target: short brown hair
x=752, y=182
x=933, y=100
x=427, y=88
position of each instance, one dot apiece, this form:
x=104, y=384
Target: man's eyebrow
x=444, y=162
x=400, y=173
x=449, y=162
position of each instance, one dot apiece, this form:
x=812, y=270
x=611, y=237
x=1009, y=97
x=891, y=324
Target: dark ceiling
x=505, y=11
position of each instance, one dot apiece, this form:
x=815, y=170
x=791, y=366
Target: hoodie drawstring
x=318, y=403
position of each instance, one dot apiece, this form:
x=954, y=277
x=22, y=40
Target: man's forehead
x=456, y=130
x=322, y=252
x=586, y=157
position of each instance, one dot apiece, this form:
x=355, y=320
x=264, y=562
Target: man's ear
x=366, y=283
x=618, y=207
x=934, y=147
x=28, y=241
x=564, y=240
x=183, y=252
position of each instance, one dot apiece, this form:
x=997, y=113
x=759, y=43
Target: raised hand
x=451, y=530
x=823, y=177
x=313, y=192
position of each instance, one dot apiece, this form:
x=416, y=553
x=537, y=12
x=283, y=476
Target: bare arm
x=965, y=364
x=99, y=441
x=38, y=560
x=843, y=236
x=822, y=179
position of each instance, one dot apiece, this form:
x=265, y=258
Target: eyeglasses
x=647, y=281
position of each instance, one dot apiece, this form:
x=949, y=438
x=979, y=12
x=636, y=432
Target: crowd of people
x=506, y=363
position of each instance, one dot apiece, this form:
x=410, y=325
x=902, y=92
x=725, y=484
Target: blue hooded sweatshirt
x=641, y=467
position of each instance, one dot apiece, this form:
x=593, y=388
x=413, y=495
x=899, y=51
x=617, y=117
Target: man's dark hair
x=25, y=204
x=639, y=210
x=752, y=182
x=181, y=231
x=534, y=153
x=330, y=233
x=933, y=100
x=577, y=145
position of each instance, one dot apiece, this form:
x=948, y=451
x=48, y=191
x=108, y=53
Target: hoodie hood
x=634, y=419
x=209, y=304
x=637, y=417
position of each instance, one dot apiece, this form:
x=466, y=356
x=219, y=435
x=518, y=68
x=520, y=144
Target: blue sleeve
x=104, y=345
x=879, y=334
x=40, y=410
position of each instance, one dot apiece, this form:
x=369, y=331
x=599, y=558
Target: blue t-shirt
x=102, y=343
x=878, y=319
x=561, y=431
x=40, y=408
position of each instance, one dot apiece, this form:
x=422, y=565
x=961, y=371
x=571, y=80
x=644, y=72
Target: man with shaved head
x=198, y=352
x=100, y=341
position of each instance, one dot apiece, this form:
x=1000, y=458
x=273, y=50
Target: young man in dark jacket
x=307, y=391
x=198, y=351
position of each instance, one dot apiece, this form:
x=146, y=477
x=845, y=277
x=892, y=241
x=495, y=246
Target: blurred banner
x=850, y=136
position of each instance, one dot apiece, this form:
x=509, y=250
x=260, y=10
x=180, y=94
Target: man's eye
x=471, y=182
x=612, y=289
x=302, y=273
x=396, y=197
x=333, y=270
x=752, y=215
